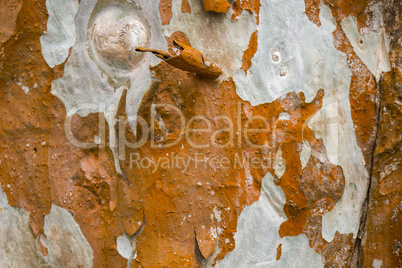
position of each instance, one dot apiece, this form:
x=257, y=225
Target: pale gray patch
x=3, y=198
x=293, y=55
x=372, y=48
x=60, y=34
x=296, y=253
x=26, y=89
x=18, y=245
x=305, y=153
x=64, y=238
x=222, y=40
x=377, y=263
x=141, y=80
x=67, y=247
x=257, y=237
x=85, y=88
x=124, y=247
x=279, y=164
x=375, y=20
x=84, y=84
x=132, y=239
x=284, y=116
x=115, y=35
x=333, y=123
x=287, y=38
x=257, y=234
x=43, y=240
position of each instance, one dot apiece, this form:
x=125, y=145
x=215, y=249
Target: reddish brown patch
x=250, y=51
x=278, y=252
x=338, y=252
x=177, y=36
x=51, y=170
x=165, y=10
x=391, y=99
x=27, y=120
x=340, y=9
x=250, y=5
x=391, y=183
x=354, y=8
x=312, y=191
x=219, y=6
x=188, y=59
x=84, y=181
x=42, y=247
x=313, y=11
x=383, y=238
x=9, y=10
x=202, y=191
x=185, y=7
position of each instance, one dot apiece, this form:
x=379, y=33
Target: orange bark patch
x=219, y=6
x=392, y=182
x=250, y=5
x=310, y=191
x=185, y=6
x=40, y=165
x=179, y=37
x=278, y=252
x=313, y=11
x=250, y=52
x=206, y=193
x=165, y=10
x=383, y=236
x=9, y=10
x=188, y=59
x=340, y=9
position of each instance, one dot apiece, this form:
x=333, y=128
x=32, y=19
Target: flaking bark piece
x=204, y=262
x=187, y=59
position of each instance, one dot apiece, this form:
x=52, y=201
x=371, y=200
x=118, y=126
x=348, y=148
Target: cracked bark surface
x=380, y=235
x=40, y=168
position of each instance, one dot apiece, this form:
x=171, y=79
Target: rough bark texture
x=290, y=158
x=381, y=237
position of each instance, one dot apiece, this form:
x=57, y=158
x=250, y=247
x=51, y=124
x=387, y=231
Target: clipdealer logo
x=238, y=133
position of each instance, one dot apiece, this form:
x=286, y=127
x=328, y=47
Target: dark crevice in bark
x=355, y=260
x=391, y=11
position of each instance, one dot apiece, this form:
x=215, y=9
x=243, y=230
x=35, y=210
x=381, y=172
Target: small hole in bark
x=276, y=56
x=361, y=41
x=283, y=72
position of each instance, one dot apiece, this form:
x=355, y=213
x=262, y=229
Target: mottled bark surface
x=292, y=157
